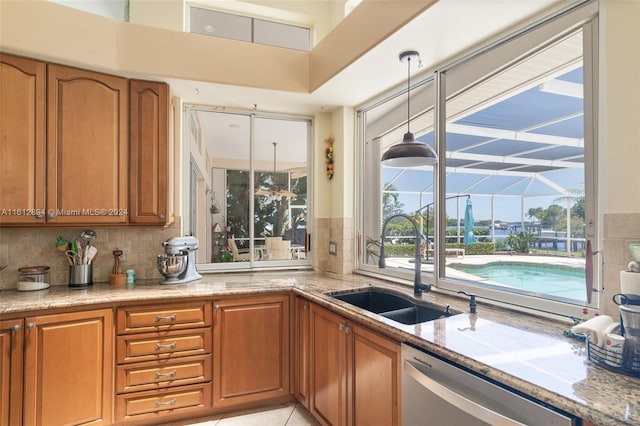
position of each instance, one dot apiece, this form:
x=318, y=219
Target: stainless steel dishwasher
x=438, y=393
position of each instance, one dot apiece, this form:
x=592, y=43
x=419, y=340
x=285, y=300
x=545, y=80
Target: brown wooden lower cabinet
x=251, y=349
x=301, y=350
x=354, y=372
x=11, y=341
x=68, y=372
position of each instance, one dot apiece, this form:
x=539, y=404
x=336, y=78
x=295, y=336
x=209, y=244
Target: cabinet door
x=11, y=336
x=374, y=378
x=87, y=127
x=328, y=384
x=22, y=140
x=301, y=351
x=69, y=369
x=148, y=150
x=251, y=349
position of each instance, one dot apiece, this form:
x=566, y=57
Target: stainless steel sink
x=392, y=306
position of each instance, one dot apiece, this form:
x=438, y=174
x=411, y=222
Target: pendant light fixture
x=275, y=193
x=409, y=153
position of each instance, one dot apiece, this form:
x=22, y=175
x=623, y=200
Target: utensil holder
x=117, y=279
x=80, y=275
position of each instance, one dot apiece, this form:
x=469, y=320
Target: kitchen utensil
x=73, y=256
x=88, y=235
x=90, y=254
x=116, y=262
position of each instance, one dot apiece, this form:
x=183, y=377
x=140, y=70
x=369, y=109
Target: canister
x=33, y=278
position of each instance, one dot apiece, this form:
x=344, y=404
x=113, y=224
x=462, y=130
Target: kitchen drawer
x=156, y=404
x=161, y=374
x=137, y=319
x=163, y=345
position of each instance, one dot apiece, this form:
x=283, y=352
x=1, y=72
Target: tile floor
x=279, y=415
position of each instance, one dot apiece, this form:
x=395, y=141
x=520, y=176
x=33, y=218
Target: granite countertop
x=525, y=352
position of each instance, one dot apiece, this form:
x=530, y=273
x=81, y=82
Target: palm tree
x=390, y=203
x=536, y=213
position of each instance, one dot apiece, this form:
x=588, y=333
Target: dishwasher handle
x=461, y=402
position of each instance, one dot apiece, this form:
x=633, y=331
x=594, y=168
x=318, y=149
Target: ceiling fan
x=274, y=193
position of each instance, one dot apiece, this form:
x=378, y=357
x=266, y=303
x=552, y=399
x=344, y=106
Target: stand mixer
x=178, y=263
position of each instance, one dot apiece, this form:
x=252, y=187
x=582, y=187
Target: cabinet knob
x=217, y=307
x=305, y=308
x=15, y=328
x=161, y=216
x=341, y=327
x=39, y=215
x=30, y=326
x=50, y=214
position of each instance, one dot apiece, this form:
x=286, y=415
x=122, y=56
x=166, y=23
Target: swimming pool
x=553, y=280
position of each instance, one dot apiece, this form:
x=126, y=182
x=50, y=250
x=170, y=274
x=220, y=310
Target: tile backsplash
x=620, y=230
x=21, y=247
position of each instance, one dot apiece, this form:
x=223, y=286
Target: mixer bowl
x=172, y=265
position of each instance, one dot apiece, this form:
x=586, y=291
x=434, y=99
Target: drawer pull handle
x=165, y=318
x=171, y=373
x=162, y=404
x=167, y=346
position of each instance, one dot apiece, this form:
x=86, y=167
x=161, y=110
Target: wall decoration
x=329, y=154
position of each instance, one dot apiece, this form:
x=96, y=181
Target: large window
x=508, y=210
x=248, y=198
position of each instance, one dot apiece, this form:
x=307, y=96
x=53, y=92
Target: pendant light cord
x=408, y=93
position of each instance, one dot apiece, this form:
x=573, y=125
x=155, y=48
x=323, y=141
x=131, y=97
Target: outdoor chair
x=237, y=256
x=280, y=250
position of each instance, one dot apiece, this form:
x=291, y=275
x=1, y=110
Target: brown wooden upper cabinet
x=148, y=153
x=87, y=124
x=22, y=140
x=68, y=152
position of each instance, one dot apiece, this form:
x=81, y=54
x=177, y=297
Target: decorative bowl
x=172, y=265
x=635, y=251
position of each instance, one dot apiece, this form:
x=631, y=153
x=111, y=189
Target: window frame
x=584, y=15
x=254, y=263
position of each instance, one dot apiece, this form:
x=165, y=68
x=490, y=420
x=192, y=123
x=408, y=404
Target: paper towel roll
x=629, y=282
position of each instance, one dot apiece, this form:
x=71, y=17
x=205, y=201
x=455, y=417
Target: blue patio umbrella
x=468, y=223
